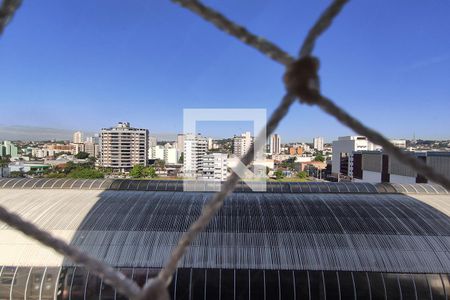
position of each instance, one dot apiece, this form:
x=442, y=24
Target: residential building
x=318, y=143
x=275, y=144
x=171, y=155
x=343, y=148
x=78, y=137
x=93, y=139
x=8, y=149
x=168, y=154
x=92, y=149
x=195, y=148
x=122, y=147
x=152, y=141
x=399, y=143
x=210, y=143
x=77, y=148
x=180, y=143
x=242, y=143
x=156, y=152
x=295, y=150
x=215, y=166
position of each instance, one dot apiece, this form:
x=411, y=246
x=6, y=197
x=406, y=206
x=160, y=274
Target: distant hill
x=31, y=133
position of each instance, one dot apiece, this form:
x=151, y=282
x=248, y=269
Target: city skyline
x=69, y=70
x=29, y=133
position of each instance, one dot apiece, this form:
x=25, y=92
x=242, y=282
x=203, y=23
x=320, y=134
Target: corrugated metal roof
x=177, y=185
x=310, y=231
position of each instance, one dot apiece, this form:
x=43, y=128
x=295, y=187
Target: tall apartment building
x=275, y=144
x=195, y=148
x=242, y=143
x=180, y=143
x=318, y=143
x=152, y=141
x=343, y=148
x=78, y=137
x=91, y=148
x=123, y=146
x=8, y=149
x=215, y=166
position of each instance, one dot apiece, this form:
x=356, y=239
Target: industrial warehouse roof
x=354, y=227
x=177, y=185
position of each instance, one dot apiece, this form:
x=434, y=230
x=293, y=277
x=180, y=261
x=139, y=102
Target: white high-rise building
x=152, y=141
x=156, y=152
x=210, y=143
x=168, y=154
x=275, y=144
x=78, y=137
x=123, y=146
x=215, y=166
x=318, y=143
x=195, y=147
x=180, y=143
x=242, y=143
x=343, y=148
x=171, y=156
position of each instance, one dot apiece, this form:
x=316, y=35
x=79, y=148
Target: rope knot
x=301, y=79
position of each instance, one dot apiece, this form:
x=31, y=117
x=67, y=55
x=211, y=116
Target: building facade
x=376, y=166
x=169, y=155
x=275, y=144
x=399, y=143
x=8, y=149
x=242, y=143
x=318, y=143
x=152, y=141
x=215, y=166
x=195, y=148
x=180, y=143
x=78, y=137
x=343, y=148
x=123, y=146
x=92, y=149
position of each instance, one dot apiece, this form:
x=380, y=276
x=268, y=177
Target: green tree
x=82, y=155
x=86, y=173
x=181, y=159
x=15, y=174
x=160, y=164
x=278, y=174
x=319, y=157
x=302, y=175
x=149, y=172
x=137, y=171
x=288, y=163
x=56, y=175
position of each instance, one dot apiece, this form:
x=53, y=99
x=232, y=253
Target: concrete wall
x=402, y=179
x=370, y=176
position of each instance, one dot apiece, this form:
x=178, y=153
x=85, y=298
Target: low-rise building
x=376, y=166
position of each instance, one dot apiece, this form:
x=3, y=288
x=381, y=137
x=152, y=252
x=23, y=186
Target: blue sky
x=88, y=64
